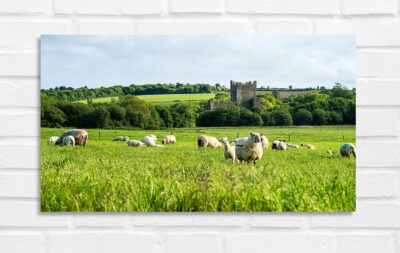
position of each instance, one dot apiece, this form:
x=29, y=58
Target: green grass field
x=163, y=99
x=112, y=177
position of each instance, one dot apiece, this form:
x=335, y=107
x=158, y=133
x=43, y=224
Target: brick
x=284, y=27
x=28, y=64
x=365, y=243
x=378, y=93
x=377, y=63
x=279, y=243
x=22, y=242
x=142, y=7
x=105, y=27
x=369, y=32
x=369, y=122
x=154, y=219
x=200, y=6
x=28, y=93
x=27, y=214
x=102, y=242
x=192, y=27
x=377, y=154
x=87, y=7
x=193, y=243
x=277, y=220
x=101, y=220
x=317, y=7
x=367, y=215
x=19, y=185
x=377, y=184
x=10, y=157
x=26, y=34
x=15, y=124
x=368, y=7
x=22, y=6
x=216, y=220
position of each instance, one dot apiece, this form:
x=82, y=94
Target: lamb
x=208, y=141
x=68, y=141
x=80, y=136
x=121, y=138
x=279, y=145
x=135, y=143
x=264, y=141
x=168, y=139
x=229, y=151
x=347, y=149
x=292, y=145
x=309, y=146
x=53, y=139
x=251, y=150
x=149, y=140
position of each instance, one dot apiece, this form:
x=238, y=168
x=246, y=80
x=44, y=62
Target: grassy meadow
x=109, y=176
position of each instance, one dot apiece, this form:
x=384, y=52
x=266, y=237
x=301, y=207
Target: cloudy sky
x=276, y=61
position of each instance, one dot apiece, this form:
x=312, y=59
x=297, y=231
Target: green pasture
x=106, y=176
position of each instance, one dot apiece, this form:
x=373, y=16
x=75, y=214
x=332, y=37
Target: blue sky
x=277, y=61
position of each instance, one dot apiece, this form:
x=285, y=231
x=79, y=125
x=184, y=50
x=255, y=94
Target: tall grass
x=112, y=177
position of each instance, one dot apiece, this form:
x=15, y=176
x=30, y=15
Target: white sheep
x=264, y=141
x=68, y=141
x=149, y=140
x=168, y=139
x=292, y=145
x=279, y=145
x=329, y=151
x=208, y=141
x=251, y=150
x=347, y=149
x=240, y=141
x=135, y=143
x=121, y=138
x=309, y=146
x=229, y=151
x=52, y=139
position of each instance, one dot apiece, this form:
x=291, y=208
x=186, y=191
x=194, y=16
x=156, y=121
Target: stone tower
x=244, y=94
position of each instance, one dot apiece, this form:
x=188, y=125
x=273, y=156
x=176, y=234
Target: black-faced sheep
x=279, y=145
x=80, y=136
x=208, y=141
x=347, y=149
x=52, y=139
x=309, y=146
x=251, y=150
x=135, y=143
x=229, y=151
x=168, y=139
x=68, y=141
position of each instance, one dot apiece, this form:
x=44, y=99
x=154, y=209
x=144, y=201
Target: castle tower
x=244, y=94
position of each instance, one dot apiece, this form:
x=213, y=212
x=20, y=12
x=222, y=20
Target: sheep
x=347, y=149
x=309, y=146
x=251, y=150
x=150, y=140
x=168, y=139
x=52, y=139
x=208, y=141
x=135, y=143
x=121, y=138
x=80, y=136
x=240, y=141
x=264, y=141
x=292, y=145
x=329, y=151
x=279, y=145
x=68, y=141
x=229, y=151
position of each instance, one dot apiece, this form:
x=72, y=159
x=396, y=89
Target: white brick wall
x=374, y=227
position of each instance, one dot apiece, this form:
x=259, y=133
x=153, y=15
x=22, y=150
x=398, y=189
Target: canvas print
x=198, y=123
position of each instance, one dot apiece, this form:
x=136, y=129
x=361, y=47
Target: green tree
x=302, y=117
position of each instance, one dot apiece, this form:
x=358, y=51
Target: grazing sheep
x=121, y=138
x=68, y=141
x=149, y=140
x=135, y=143
x=53, y=139
x=240, y=141
x=309, y=146
x=80, y=136
x=347, y=149
x=154, y=137
x=168, y=139
x=208, y=141
x=264, y=141
x=229, y=151
x=251, y=150
x=279, y=145
x=292, y=145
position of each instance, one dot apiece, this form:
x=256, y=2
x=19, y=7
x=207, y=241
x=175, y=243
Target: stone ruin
x=242, y=94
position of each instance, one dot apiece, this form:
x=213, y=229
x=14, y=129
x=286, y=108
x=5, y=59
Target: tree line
x=64, y=93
